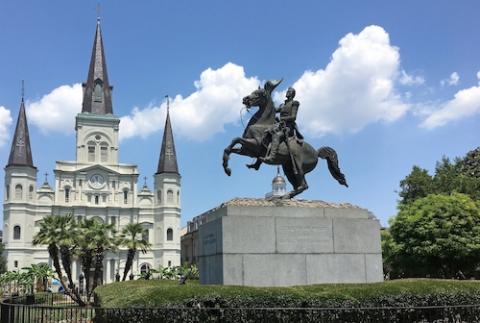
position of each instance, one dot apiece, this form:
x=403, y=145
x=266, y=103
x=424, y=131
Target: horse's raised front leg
x=226, y=154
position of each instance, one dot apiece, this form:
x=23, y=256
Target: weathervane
x=98, y=12
x=23, y=89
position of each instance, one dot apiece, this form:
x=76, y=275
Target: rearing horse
x=297, y=159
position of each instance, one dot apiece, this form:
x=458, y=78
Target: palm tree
x=57, y=233
x=104, y=240
x=93, y=240
x=132, y=239
x=40, y=273
x=85, y=246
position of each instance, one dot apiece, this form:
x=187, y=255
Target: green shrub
x=166, y=301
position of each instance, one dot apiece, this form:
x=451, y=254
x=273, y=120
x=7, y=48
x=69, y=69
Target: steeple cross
x=46, y=177
x=145, y=181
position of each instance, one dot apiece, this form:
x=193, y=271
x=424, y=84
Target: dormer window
x=98, y=91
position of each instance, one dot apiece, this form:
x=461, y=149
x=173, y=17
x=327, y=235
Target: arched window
x=169, y=196
x=104, y=152
x=67, y=194
x=18, y=192
x=98, y=219
x=7, y=191
x=145, y=235
x=159, y=196
x=96, y=200
x=17, y=231
x=169, y=234
x=178, y=197
x=145, y=268
x=91, y=151
x=125, y=196
x=30, y=192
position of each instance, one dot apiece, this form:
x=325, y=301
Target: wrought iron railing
x=51, y=307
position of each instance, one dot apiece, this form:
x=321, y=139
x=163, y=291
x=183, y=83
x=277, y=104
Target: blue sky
x=388, y=85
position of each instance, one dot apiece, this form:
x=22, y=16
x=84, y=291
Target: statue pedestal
x=255, y=242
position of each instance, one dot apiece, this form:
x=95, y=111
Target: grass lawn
x=419, y=292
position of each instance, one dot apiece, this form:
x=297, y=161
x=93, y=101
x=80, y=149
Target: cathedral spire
x=167, y=163
x=21, y=152
x=97, y=94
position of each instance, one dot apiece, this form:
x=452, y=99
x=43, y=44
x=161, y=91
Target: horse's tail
x=332, y=161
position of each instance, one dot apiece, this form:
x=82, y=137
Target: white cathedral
x=95, y=185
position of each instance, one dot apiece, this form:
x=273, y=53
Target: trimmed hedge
x=392, y=301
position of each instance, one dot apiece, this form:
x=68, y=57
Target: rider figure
x=285, y=127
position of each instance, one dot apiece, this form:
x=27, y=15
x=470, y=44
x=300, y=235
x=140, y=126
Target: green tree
x=104, y=240
x=446, y=178
x=132, y=239
x=58, y=232
x=436, y=236
x=416, y=185
x=40, y=273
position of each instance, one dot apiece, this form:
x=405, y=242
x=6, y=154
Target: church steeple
x=21, y=152
x=97, y=94
x=167, y=163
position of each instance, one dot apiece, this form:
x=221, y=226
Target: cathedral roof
x=97, y=94
x=167, y=163
x=21, y=152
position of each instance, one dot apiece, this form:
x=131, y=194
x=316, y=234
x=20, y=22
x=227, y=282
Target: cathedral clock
x=97, y=181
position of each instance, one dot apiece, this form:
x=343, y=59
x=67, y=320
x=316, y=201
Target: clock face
x=97, y=180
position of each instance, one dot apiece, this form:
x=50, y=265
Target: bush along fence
x=51, y=307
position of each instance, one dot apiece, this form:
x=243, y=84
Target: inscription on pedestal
x=307, y=235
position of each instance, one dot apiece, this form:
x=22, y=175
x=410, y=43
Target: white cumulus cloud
x=452, y=80
x=216, y=102
x=5, y=122
x=408, y=79
x=355, y=89
x=56, y=111
x=465, y=103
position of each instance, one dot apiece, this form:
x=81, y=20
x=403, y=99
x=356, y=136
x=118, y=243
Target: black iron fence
x=49, y=308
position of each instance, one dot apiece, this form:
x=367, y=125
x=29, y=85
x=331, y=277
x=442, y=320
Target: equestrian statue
x=277, y=141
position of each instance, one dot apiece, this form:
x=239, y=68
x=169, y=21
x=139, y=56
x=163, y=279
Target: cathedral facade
x=95, y=185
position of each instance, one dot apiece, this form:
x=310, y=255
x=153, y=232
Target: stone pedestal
x=255, y=242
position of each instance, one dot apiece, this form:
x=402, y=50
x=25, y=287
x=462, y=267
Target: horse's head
x=257, y=98
x=260, y=97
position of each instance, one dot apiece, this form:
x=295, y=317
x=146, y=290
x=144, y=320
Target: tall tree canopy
x=436, y=236
x=436, y=232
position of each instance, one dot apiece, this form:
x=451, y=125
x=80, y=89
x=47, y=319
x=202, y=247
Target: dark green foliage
x=460, y=176
x=435, y=236
x=3, y=261
x=471, y=164
x=435, y=233
x=416, y=185
x=166, y=301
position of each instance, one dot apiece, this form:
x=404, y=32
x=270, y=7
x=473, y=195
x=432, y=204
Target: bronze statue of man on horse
x=277, y=141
